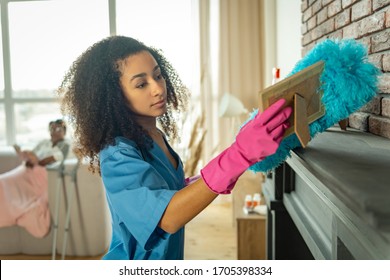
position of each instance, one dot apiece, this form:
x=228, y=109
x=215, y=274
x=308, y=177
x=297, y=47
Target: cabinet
x=250, y=228
x=331, y=200
x=251, y=237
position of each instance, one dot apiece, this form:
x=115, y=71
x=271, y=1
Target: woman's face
x=143, y=85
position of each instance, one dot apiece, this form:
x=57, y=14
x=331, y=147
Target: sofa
x=89, y=231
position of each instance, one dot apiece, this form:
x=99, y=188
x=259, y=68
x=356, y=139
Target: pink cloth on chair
x=24, y=199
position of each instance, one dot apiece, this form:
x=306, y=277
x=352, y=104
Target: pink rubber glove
x=258, y=139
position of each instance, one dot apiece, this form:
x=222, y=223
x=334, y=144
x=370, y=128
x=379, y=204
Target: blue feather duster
x=348, y=82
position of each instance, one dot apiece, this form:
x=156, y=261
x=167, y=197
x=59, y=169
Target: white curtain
x=231, y=55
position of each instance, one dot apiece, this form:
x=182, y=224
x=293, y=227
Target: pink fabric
x=24, y=199
x=190, y=180
x=256, y=140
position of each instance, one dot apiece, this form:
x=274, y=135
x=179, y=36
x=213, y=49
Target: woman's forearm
x=185, y=205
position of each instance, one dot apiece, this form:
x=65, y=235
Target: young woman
x=116, y=92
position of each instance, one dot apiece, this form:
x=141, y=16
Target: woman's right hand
x=258, y=139
x=261, y=136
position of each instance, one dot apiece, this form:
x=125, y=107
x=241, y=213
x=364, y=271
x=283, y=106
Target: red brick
x=307, y=48
x=322, y=15
x=371, y=24
x=304, y=28
x=303, y=5
x=374, y=106
x=317, y=6
x=307, y=14
x=359, y=121
x=381, y=41
x=351, y=31
x=384, y=83
x=386, y=62
x=326, y=2
x=334, y=8
x=367, y=21
x=347, y=3
x=338, y=34
x=386, y=106
x=312, y=22
x=323, y=29
x=377, y=4
x=376, y=59
x=361, y=9
x=379, y=125
x=306, y=39
x=366, y=41
x=343, y=19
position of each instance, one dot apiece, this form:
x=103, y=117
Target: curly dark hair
x=92, y=97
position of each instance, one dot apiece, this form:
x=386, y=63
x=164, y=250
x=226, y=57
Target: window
x=51, y=35
x=45, y=37
x=32, y=121
x=160, y=24
x=167, y=25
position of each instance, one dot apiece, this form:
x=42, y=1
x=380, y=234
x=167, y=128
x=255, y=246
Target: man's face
x=57, y=132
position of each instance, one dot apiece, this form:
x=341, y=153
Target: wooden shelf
x=251, y=228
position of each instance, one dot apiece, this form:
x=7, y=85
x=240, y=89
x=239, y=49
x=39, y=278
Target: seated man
x=50, y=150
x=23, y=190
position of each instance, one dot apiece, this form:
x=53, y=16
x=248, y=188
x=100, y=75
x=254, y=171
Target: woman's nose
x=158, y=87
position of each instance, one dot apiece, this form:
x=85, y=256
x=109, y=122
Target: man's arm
x=46, y=161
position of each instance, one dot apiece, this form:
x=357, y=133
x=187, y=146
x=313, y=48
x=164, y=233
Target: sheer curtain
x=232, y=59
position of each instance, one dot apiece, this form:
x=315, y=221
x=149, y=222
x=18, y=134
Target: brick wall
x=367, y=21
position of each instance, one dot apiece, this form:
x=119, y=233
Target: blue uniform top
x=138, y=191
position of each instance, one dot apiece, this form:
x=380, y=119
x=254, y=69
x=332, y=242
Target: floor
x=209, y=236
x=212, y=235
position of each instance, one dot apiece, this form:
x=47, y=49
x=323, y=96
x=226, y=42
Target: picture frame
x=302, y=91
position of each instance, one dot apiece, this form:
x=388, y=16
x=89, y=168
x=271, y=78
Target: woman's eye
x=159, y=77
x=141, y=85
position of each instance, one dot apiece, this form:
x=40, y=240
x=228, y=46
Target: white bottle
x=256, y=200
x=248, y=202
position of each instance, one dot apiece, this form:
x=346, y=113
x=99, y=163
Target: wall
x=282, y=37
x=288, y=35
x=367, y=21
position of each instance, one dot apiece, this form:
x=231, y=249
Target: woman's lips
x=159, y=103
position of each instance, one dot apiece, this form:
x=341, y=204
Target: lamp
x=231, y=106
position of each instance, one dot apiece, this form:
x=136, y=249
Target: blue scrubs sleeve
x=137, y=193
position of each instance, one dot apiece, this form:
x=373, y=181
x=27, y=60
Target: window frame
x=8, y=99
